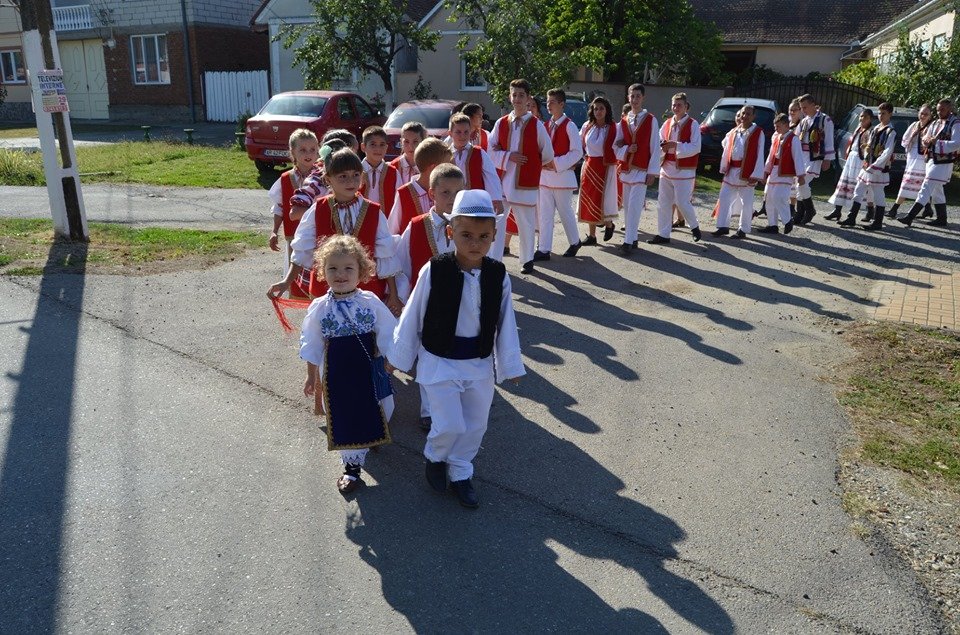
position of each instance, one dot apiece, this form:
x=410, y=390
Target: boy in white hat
x=460, y=352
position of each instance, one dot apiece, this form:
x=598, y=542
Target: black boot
x=908, y=219
x=810, y=213
x=835, y=215
x=763, y=209
x=941, y=220
x=893, y=211
x=801, y=211
x=927, y=211
x=870, y=210
x=793, y=212
x=877, y=223
x=851, y=219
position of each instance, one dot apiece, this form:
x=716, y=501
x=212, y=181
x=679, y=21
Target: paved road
x=667, y=465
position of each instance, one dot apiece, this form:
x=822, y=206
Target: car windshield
x=725, y=116
x=429, y=117
x=900, y=124
x=295, y=106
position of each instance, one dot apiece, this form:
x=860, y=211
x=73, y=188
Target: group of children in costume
x=401, y=261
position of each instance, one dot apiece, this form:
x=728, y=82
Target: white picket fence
x=228, y=95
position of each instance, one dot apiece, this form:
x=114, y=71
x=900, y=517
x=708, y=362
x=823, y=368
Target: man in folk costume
x=380, y=179
x=855, y=154
x=742, y=168
x=557, y=181
x=637, y=146
x=941, y=144
x=875, y=171
x=783, y=168
x=680, y=144
x=520, y=146
x=916, y=166
x=816, y=135
x=476, y=165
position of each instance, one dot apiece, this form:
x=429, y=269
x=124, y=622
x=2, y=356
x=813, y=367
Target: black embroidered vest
x=878, y=143
x=443, y=306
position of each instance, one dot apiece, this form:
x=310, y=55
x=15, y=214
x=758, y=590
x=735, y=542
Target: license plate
x=276, y=153
x=899, y=156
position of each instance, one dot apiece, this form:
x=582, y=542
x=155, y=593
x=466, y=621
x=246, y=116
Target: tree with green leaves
x=363, y=35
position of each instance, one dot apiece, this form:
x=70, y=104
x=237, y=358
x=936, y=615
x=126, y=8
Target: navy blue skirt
x=354, y=417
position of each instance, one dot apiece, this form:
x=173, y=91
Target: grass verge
x=27, y=247
x=903, y=395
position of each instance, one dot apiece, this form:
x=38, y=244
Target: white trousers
x=778, y=203
x=931, y=191
x=496, y=249
x=803, y=191
x=731, y=194
x=561, y=201
x=862, y=193
x=526, y=217
x=672, y=192
x=460, y=409
x=634, y=198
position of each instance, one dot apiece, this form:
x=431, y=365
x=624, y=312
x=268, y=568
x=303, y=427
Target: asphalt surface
x=668, y=463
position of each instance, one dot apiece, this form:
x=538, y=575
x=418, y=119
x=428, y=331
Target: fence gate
x=835, y=98
x=228, y=95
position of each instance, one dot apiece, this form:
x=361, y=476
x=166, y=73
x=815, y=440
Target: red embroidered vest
x=751, y=153
x=286, y=193
x=364, y=229
x=641, y=137
x=422, y=246
x=387, y=187
x=409, y=205
x=783, y=154
x=686, y=133
x=528, y=174
x=559, y=137
x=473, y=169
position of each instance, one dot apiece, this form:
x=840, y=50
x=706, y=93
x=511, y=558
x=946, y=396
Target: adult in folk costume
x=916, y=167
x=816, y=135
x=941, y=146
x=598, y=176
x=558, y=181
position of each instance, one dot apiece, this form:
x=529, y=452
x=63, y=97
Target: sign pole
x=49, y=105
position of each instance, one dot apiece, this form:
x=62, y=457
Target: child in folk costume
x=598, y=205
x=742, y=168
x=380, y=179
x=915, y=168
x=425, y=238
x=460, y=327
x=783, y=168
x=304, y=152
x=875, y=171
x=941, y=145
x=315, y=185
x=412, y=134
x=680, y=144
x=816, y=135
x=343, y=212
x=637, y=146
x=475, y=163
x=519, y=147
x=478, y=136
x=344, y=332
x=533, y=107
x=557, y=181
x=794, y=115
x=855, y=154
x=413, y=198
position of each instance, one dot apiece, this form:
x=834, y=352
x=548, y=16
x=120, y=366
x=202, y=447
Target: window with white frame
x=939, y=41
x=11, y=64
x=925, y=46
x=150, y=62
x=470, y=78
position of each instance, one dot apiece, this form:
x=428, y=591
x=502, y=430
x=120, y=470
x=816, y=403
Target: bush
x=19, y=168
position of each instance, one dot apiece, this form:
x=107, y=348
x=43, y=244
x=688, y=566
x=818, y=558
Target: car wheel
x=263, y=166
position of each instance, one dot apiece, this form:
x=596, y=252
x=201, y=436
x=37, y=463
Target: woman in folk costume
x=343, y=334
x=916, y=166
x=858, y=147
x=598, y=177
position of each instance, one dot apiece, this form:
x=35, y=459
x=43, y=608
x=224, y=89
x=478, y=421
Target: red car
x=268, y=132
x=434, y=114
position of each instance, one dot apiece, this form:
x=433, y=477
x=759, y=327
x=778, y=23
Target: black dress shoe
x=436, y=472
x=608, y=232
x=769, y=229
x=906, y=220
x=426, y=423
x=589, y=240
x=788, y=227
x=572, y=250
x=940, y=222
x=678, y=223
x=541, y=255
x=738, y=235
x=626, y=248
x=720, y=231
x=696, y=234
x=527, y=267
x=658, y=240
x=465, y=493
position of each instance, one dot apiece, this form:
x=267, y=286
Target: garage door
x=85, y=77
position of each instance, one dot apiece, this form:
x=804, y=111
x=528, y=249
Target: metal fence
x=835, y=98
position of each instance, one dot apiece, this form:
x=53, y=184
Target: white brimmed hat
x=475, y=203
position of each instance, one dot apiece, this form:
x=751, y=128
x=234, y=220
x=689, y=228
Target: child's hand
x=274, y=242
x=278, y=289
x=297, y=211
x=309, y=386
x=651, y=178
x=632, y=149
x=395, y=305
x=518, y=158
x=498, y=207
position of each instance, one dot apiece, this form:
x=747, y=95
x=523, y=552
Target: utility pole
x=63, y=180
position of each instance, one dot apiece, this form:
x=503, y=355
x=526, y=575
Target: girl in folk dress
x=598, y=203
x=343, y=332
x=858, y=148
x=916, y=161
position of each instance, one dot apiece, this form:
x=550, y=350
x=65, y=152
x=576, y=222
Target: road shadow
x=36, y=459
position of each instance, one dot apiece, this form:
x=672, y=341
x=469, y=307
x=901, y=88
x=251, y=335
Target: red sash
x=409, y=205
x=422, y=245
x=686, y=133
x=641, y=137
x=527, y=176
x=474, y=169
x=387, y=187
x=751, y=153
x=364, y=229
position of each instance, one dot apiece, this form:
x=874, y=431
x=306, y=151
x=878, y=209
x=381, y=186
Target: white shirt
x=374, y=178
x=305, y=239
x=738, y=137
x=669, y=169
x=491, y=181
x=637, y=175
x=563, y=178
x=774, y=170
x=408, y=171
x=501, y=157
x=325, y=319
x=393, y=221
x=407, y=346
x=276, y=192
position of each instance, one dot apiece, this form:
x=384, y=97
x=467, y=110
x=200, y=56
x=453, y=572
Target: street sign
x=53, y=94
